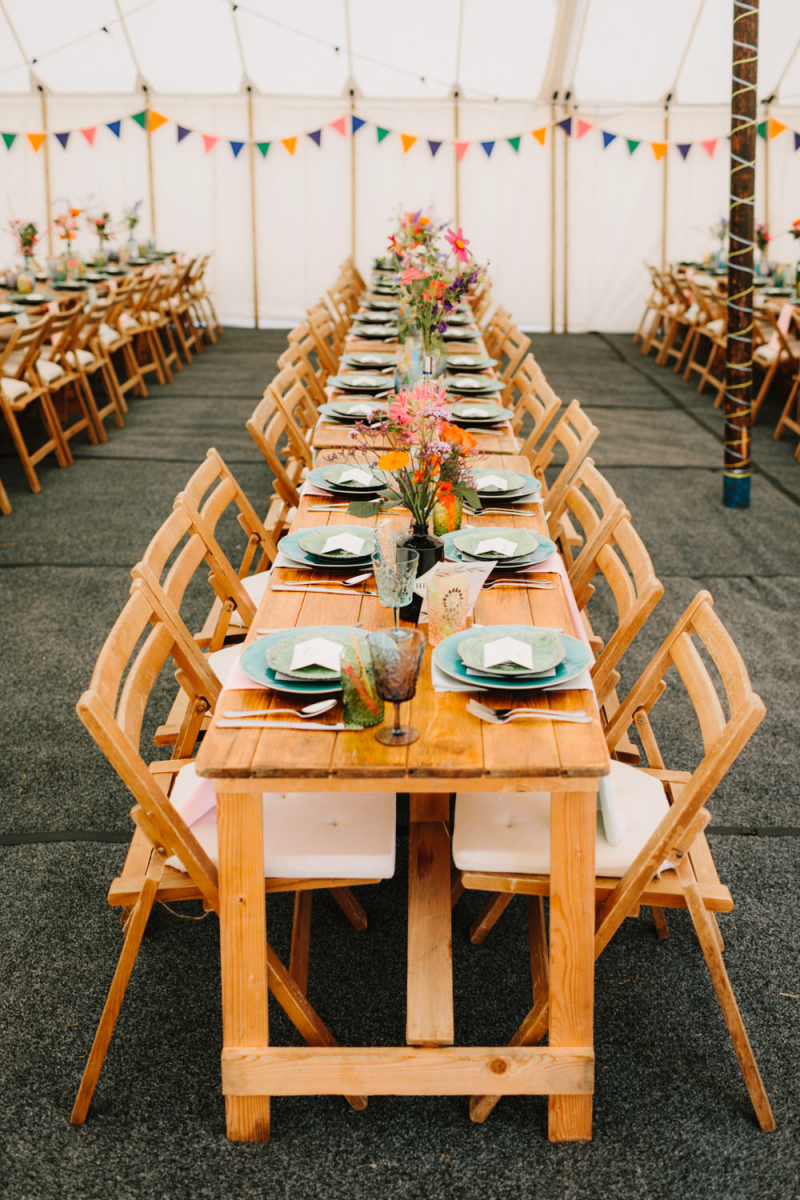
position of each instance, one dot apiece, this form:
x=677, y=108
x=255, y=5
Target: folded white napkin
x=494, y=482
x=351, y=542
x=319, y=652
x=510, y=650
x=499, y=546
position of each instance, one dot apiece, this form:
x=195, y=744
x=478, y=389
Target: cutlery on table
x=353, y=625
x=310, y=711
x=501, y=716
x=331, y=591
x=259, y=723
x=520, y=583
x=353, y=581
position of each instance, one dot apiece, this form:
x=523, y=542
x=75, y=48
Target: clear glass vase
x=447, y=515
x=26, y=280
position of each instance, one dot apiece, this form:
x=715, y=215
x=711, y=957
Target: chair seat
x=509, y=832
x=308, y=835
x=769, y=351
x=714, y=328
x=81, y=358
x=255, y=586
x=14, y=388
x=49, y=371
x=108, y=335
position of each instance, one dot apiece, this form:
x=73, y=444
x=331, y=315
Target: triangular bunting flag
x=90, y=133
x=35, y=140
x=684, y=148
x=488, y=147
x=316, y=136
x=408, y=141
x=10, y=138
x=608, y=138
x=434, y=148
x=263, y=147
x=775, y=128
x=659, y=149
x=540, y=134
x=209, y=142
x=236, y=147
x=796, y=138
x=338, y=125
x=631, y=145
x=382, y=133
x=182, y=133
x=710, y=146
x=356, y=123
x=514, y=143
x=156, y=120
x=566, y=125
x=62, y=139
x=140, y=118
x=762, y=130
x=461, y=149
x=115, y=127
x=583, y=127
x=290, y=144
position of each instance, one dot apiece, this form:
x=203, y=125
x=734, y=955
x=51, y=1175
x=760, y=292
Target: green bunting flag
x=762, y=130
x=141, y=119
x=9, y=139
x=631, y=145
x=263, y=147
x=382, y=133
x=514, y=143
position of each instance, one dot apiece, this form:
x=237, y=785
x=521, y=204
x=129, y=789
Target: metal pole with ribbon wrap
x=739, y=357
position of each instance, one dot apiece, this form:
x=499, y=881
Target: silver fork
x=352, y=581
x=544, y=586
x=501, y=716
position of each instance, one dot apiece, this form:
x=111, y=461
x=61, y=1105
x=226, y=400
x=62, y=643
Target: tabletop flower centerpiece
x=794, y=230
x=720, y=233
x=424, y=468
x=26, y=235
x=66, y=226
x=130, y=219
x=763, y=237
x=101, y=225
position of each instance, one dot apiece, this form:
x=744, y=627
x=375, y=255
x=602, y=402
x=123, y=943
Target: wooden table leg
x=429, y=1000
x=573, y=818
x=243, y=949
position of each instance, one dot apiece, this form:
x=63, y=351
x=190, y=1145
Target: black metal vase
x=431, y=551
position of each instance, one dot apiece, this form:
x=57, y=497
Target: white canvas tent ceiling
x=603, y=51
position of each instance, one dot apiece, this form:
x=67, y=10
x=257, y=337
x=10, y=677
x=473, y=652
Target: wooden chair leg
x=787, y=408
x=709, y=944
x=457, y=889
x=660, y=922
x=92, y=404
x=488, y=917
x=134, y=930
x=5, y=503
x=350, y=907
x=301, y=939
x=529, y=1033
x=22, y=449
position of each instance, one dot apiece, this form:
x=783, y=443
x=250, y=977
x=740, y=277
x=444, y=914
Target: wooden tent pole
x=457, y=161
x=766, y=165
x=149, y=134
x=553, y=215
x=739, y=357
x=353, y=212
x=253, y=207
x=566, y=219
x=665, y=189
x=48, y=197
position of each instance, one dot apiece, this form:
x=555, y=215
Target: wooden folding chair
x=774, y=348
x=299, y=412
x=91, y=358
x=663, y=859
x=533, y=403
x=181, y=304
x=792, y=406
x=711, y=335
x=5, y=503
x=651, y=304
x=20, y=387
x=139, y=321
x=574, y=434
x=495, y=329
x=116, y=334
x=683, y=316
x=112, y=710
x=267, y=428
x=583, y=520
x=327, y=338
x=297, y=359
x=205, y=315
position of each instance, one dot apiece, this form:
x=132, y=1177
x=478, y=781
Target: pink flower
x=410, y=274
x=458, y=244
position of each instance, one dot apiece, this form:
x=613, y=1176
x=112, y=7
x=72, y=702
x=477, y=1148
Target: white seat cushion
x=715, y=327
x=83, y=357
x=49, y=371
x=14, y=388
x=107, y=334
x=509, y=832
x=308, y=835
x=255, y=586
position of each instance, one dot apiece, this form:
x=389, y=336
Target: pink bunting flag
x=583, y=127
x=710, y=146
x=209, y=142
x=461, y=149
x=339, y=126
x=89, y=133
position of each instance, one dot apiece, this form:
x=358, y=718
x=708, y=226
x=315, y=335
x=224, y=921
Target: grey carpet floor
x=672, y=1116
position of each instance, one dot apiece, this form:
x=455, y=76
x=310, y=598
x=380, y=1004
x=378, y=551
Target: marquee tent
x=573, y=139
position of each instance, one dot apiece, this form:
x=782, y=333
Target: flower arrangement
x=131, y=217
x=794, y=229
x=763, y=238
x=26, y=235
x=426, y=462
x=720, y=230
x=429, y=296
x=67, y=224
x=101, y=225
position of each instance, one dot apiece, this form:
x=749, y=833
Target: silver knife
x=224, y=723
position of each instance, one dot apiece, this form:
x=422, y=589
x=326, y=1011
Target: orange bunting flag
x=583, y=127
x=408, y=141
x=339, y=126
x=290, y=144
x=156, y=120
x=90, y=133
x=775, y=128
x=209, y=142
x=659, y=149
x=35, y=140
x=710, y=146
x=540, y=134
x=461, y=149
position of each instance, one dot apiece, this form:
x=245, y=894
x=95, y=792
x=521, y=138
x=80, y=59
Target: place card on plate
x=316, y=652
x=501, y=546
x=508, y=650
x=364, y=408
x=474, y=411
x=351, y=543
x=493, y=482
x=356, y=475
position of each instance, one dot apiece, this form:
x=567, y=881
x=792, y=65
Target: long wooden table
x=455, y=751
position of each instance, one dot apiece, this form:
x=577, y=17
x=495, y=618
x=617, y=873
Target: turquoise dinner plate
x=336, y=412
x=368, y=358
x=317, y=478
x=545, y=549
x=290, y=546
x=446, y=656
x=385, y=332
x=253, y=661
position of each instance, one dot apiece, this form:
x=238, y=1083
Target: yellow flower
x=394, y=460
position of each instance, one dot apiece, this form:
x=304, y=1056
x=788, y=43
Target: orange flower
x=458, y=437
x=74, y=212
x=394, y=460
